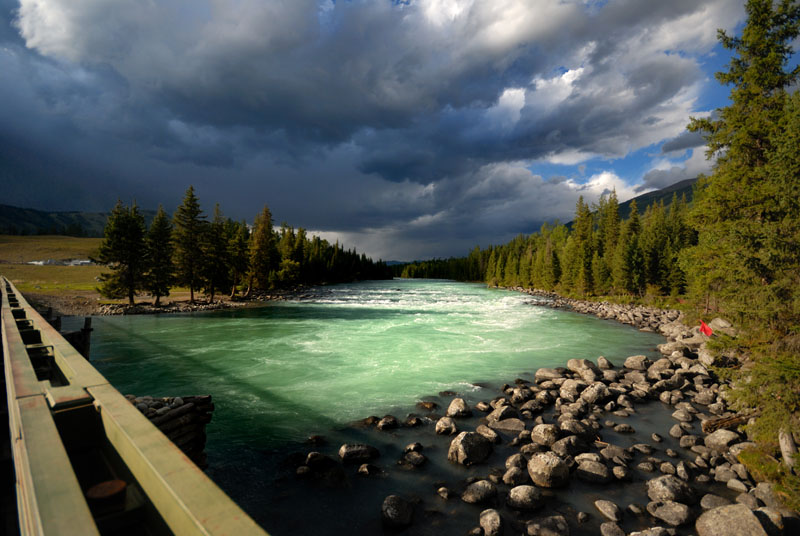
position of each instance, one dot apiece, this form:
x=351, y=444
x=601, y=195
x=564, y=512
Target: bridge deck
x=71, y=430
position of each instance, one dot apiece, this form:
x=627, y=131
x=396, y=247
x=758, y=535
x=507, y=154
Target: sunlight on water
x=287, y=370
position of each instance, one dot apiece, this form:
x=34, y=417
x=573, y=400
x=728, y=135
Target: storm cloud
x=409, y=128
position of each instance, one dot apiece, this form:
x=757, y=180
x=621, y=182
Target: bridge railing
x=86, y=461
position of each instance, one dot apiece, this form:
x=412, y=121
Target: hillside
x=684, y=187
x=28, y=221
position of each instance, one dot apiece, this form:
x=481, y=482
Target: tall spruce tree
x=264, y=256
x=188, y=223
x=160, y=269
x=123, y=250
x=214, y=245
x=238, y=253
x=734, y=205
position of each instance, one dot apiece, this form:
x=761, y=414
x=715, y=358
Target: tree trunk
x=249, y=286
x=158, y=300
x=191, y=293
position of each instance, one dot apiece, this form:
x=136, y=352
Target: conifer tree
x=188, y=225
x=238, y=254
x=214, y=245
x=124, y=251
x=160, y=269
x=264, y=256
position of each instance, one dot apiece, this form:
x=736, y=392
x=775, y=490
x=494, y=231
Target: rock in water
x=396, y=511
x=609, y=509
x=548, y=526
x=458, y=408
x=469, y=448
x=721, y=440
x=479, y=492
x=357, y=452
x=491, y=523
x=446, y=426
x=548, y=470
x=592, y=471
x=669, y=488
x=524, y=498
x=637, y=362
x=671, y=512
x=731, y=520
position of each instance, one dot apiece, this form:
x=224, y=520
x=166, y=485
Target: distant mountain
x=28, y=221
x=684, y=187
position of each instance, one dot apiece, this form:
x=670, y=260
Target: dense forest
x=734, y=252
x=220, y=255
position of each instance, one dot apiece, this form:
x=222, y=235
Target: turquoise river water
x=288, y=370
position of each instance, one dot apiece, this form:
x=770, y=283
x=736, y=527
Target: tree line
x=220, y=255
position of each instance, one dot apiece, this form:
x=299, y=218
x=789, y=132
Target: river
x=288, y=370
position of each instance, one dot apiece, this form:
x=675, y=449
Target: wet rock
x=479, y=492
x=624, y=428
x=469, y=448
x=604, y=364
x=730, y=520
x=389, y=422
x=524, y=498
x=544, y=374
x=637, y=362
x=483, y=407
x=676, y=431
x=721, y=440
x=491, y=523
x=568, y=446
x=413, y=421
x=458, y=408
x=657, y=438
x=444, y=493
x=609, y=509
x=592, y=471
x=516, y=460
x=596, y=393
x=367, y=469
x=515, y=476
x=621, y=473
x=548, y=470
x=582, y=517
x=357, y=452
x=548, y=526
x=446, y=426
x=414, y=459
x=512, y=425
x=669, y=488
x=609, y=528
x=683, y=415
x=503, y=412
x=488, y=433
x=396, y=511
x=545, y=434
x=670, y=512
x=427, y=406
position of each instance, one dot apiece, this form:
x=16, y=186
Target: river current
x=283, y=372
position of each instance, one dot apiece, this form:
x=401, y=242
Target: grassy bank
x=23, y=249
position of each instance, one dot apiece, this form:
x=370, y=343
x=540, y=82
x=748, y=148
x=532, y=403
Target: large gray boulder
x=670, y=488
x=469, y=448
x=545, y=434
x=548, y=470
x=730, y=520
x=670, y=512
x=524, y=498
x=596, y=393
x=637, y=362
x=594, y=472
x=396, y=511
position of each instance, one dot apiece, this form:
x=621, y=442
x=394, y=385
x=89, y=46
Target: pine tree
x=188, y=223
x=160, y=270
x=264, y=256
x=124, y=251
x=214, y=245
x=734, y=206
x=238, y=253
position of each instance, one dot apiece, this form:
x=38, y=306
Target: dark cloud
x=406, y=119
x=687, y=140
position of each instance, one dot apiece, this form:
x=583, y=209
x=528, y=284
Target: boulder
x=730, y=520
x=710, y=501
x=548, y=470
x=609, y=509
x=488, y=433
x=669, y=488
x=387, y=423
x=515, y=476
x=721, y=440
x=570, y=389
x=446, y=426
x=396, y=511
x=357, y=452
x=544, y=374
x=670, y=512
x=479, y=492
x=491, y=523
x=604, y=364
x=592, y=471
x=548, y=526
x=524, y=498
x=637, y=362
x=609, y=528
x=512, y=425
x=596, y=393
x=569, y=446
x=545, y=434
x=469, y=448
x=503, y=412
x=458, y=408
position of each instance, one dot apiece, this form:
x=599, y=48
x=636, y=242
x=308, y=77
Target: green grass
x=766, y=468
x=51, y=279
x=22, y=249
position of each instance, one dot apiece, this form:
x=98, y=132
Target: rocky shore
x=572, y=430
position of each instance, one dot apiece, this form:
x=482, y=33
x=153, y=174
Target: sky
x=406, y=129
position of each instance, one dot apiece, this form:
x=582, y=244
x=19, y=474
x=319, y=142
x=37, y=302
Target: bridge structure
x=84, y=460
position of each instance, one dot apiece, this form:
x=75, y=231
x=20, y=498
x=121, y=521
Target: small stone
x=609, y=528
x=446, y=426
x=676, y=431
x=515, y=476
x=673, y=513
x=545, y=434
x=548, y=526
x=683, y=415
x=469, y=448
x=721, y=440
x=657, y=438
x=748, y=500
x=621, y=473
x=737, y=485
x=357, y=452
x=593, y=471
x=548, y=470
x=444, y=493
x=367, y=469
x=458, y=408
x=415, y=459
x=488, y=433
x=624, y=428
x=582, y=517
x=669, y=488
x=637, y=362
x=710, y=501
x=387, y=423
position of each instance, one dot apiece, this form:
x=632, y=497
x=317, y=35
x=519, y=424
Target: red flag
x=705, y=330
